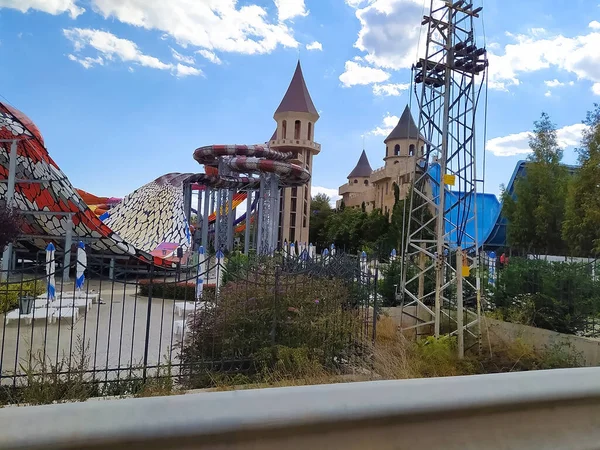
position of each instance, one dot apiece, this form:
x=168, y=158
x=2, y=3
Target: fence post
x=148, y=316
x=275, y=307
x=375, y=303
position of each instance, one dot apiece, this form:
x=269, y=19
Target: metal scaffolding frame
x=442, y=244
x=268, y=213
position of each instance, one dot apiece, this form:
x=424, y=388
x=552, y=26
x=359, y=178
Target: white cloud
x=553, y=83
x=210, y=56
x=331, y=193
x=390, y=32
x=110, y=47
x=53, y=7
x=548, y=94
x=87, y=62
x=214, y=25
x=355, y=3
x=594, y=25
x=596, y=88
x=182, y=58
x=518, y=143
x=314, y=46
x=182, y=70
x=389, y=122
x=530, y=53
x=288, y=9
x=391, y=89
x=358, y=74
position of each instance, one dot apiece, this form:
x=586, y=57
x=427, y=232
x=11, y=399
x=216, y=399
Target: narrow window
x=284, y=129
x=297, y=129
x=411, y=150
x=310, y=131
x=397, y=150
x=355, y=181
x=366, y=182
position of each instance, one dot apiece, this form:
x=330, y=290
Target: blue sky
x=124, y=90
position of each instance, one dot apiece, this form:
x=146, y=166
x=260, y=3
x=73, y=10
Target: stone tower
x=296, y=117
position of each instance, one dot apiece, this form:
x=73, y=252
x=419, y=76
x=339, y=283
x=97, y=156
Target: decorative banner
x=492, y=269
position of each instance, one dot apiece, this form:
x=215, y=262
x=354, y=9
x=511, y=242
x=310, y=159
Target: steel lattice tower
x=441, y=247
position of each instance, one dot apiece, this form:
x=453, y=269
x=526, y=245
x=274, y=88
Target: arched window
x=297, y=129
x=422, y=149
x=284, y=129
x=411, y=150
x=366, y=182
x=310, y=131
x=397, y=150
x=396, y=162
x=355, y=181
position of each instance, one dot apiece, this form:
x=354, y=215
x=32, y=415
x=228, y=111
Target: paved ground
x=113, y=333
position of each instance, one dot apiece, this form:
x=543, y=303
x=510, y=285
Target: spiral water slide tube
x=249, y=168
x=247, y=159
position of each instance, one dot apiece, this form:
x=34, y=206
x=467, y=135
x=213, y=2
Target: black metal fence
x=129, y=322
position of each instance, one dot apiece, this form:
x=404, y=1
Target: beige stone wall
x=380, y=192
x=295, y=217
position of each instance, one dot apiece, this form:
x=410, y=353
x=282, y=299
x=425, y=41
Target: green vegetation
x=272, y=322
x=182, y=290
x=549, y=211
x=536, y=209
x=354, y=230
x=10, y=226
x=557, y=296
x=582, y=217
x=11, y=292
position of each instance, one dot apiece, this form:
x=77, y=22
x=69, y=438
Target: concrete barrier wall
x=498, y=331
x=556, y=409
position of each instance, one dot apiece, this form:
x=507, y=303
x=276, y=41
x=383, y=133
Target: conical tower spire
x=405, y=129
x=363, y=168
x=297, y=98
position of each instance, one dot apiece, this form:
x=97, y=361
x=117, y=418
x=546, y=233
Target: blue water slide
x=491, y=225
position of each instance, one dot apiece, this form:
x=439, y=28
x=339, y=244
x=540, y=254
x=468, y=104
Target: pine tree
x=536, y=209
x=581, y=228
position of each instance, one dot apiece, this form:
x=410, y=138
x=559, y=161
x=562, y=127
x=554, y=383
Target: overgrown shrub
x=236, y=266
x=392, y=279
x=183, y=290
x=558, y=296
x=10, y=225
x=11, y=292
x=272, y=321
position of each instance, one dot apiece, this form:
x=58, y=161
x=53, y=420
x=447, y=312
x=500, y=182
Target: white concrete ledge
x=542, y=409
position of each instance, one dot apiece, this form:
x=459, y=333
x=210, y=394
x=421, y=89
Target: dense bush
x=10, y=225
x=553, y=295
x=236, y=265
x=183, y=290
x=11, y=292
x=272, y=321
x=392, y=279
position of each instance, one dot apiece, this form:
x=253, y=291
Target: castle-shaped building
x=296, y=117
x=374, y=189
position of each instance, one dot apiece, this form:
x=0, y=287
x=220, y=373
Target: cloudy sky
x=125, y=90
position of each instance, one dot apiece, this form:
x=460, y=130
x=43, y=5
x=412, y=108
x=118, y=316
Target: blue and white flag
x=81, y=265
x=50, y=270
x=201, y=270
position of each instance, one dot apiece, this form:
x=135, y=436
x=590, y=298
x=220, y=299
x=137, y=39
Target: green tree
x=536, y=208
x=320, y=212
x=345, y=229
x=10, y=226
x=581, y=228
